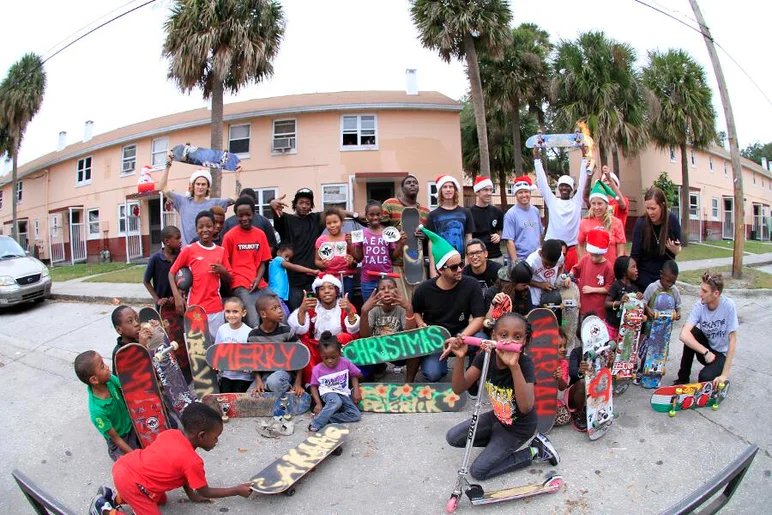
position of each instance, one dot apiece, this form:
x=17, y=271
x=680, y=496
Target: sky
x=117, y=76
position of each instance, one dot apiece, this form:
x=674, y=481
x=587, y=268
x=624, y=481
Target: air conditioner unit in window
x=283, y=144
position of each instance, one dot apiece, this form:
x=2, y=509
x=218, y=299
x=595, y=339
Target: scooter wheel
x=290, y=492
x=452, y=504
x=475, y=491
x=338, y=451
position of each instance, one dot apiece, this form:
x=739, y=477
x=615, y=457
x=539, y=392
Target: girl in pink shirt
x=335, y=258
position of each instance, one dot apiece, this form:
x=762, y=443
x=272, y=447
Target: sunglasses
x=452, y=268
x=710, y=279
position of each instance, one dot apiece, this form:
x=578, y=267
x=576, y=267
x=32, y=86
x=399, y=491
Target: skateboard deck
x=258, y=357
x=247, y=405
x=134, y=368
x=198, y=340
x=553, y=300
x=569, y=298
x=413, y=252
x=391, y=347
x=598, y=380
x=543, y=350
x=200, y=156
x=551, y=485
x=281, y=475
x=670, y=399
x=175, y=329
x=499, y=310
x=627, y=343
x=410, y=398
x=576, y=139
x=657, y=344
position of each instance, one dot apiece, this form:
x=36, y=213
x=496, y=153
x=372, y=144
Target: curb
x=96, y=299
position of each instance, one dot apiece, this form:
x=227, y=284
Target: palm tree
x=221, y=45
x=520, y=77
x=21, y=94
x=458, y=29
x=687, y=116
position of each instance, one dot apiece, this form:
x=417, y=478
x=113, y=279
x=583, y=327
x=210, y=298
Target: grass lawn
x=696, y=251
x=67, y=272
x=751, y=279
x=752, y=246
x=134, y=275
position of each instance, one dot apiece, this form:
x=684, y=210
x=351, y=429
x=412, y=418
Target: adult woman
x=454, y=223
x=656, y=237
x=600, y=217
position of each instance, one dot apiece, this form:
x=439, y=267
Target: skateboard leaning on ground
x=413, y=252
x=247, y=405
x=198, y=340
x=175, y=329
x=658, y=343
x=671, y=399
x=281, y=475
x=499, y=309
x=576, y=139
x=596, y=349
x=569, y=299
x=209, y=158
x=627, y=343
x=543, y=351
x=134, y=368
x=413, y=343
x=410, y=398
x=258, y=357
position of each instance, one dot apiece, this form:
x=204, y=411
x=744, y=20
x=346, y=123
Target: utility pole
x=734, y=149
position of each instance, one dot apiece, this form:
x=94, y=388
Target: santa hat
x=326, y=278
x=597, y=241
x=601, y=191
x=482, y=182
x=442, y=179
x=566, y=179
x=201, y=173
x=441, y=249
x=523, y=183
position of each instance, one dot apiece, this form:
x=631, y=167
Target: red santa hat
x=597, y=241
x=442, y=179
x=481, y=183
x=523, y=183
x=326, y=278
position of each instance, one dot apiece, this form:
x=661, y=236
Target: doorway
x=154, y=214
x=380, y=191
x=727, y=225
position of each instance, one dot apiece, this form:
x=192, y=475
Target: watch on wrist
x=356, y=215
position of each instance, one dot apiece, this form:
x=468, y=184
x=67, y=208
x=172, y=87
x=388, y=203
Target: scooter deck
x=550, y=486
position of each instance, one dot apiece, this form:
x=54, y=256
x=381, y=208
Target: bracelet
x=411, y=317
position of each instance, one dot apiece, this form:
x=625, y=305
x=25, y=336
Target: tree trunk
x=615, y=161
x=478, y=102
x=603, y=154
x=684, y=197
x=517, y=143
x=216, y=128
x=14, y=196
x=503, y=188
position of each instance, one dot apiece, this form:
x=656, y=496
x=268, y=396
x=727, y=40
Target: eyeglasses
x=475, y=253
x=452, y=268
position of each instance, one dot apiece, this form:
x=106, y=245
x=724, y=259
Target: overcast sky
x=116, y=76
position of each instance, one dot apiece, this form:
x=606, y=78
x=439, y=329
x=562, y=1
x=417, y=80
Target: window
x=129, y=159
x=122, y=216
x=1, y=199
x=672, y=154
x=433, y=199
x=714, y=208
x=93, y=224
x=694, y=206
x=359, y=132
x=238, y=139
x=84, y=172
x=19, y=190
x=335, y=195
x=36, y=228
x=284, y=137
x=264, y=198
x=158, y=150
x=726, y=170
x=710, y=163
x=692, y=157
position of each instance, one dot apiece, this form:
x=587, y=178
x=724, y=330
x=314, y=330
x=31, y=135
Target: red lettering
x=600, y=386
x=270, y=359
x=288, y=352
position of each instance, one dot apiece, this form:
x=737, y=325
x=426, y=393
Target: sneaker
x=637, y=379
x=545, y=451
x=680, y=382
x=107, y=493
x=579, y=418
x=99, y=505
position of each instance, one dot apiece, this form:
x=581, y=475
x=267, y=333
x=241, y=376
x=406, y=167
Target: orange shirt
x=617, y=235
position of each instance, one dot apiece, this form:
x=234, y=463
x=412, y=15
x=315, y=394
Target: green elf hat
x=601, y=191
x=441, y=249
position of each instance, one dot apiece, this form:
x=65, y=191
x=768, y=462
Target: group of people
x=255, y=289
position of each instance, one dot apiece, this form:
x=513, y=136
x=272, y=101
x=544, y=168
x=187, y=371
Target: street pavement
x=391, y=464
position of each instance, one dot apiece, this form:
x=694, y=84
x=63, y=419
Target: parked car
x=23, y=278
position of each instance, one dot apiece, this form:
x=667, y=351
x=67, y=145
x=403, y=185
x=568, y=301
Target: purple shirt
x=334, y=380
x=376, y=255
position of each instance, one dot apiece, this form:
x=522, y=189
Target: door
x=55, y=238
x=757, y=220
x=154, y=215
x=77, y=236
x=380, y=191
x=727, y=223
x=132, y=229
x=22, y=234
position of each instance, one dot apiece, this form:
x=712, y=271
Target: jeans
x=215, y=320
x=432, y=368
x=337, y=409
x=278, y=382
x=710, y=371
x=249, y=299
x=368, y=287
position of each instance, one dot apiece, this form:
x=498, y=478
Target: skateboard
x=576, y=139
x=478, y=497
x=598, y=380
x=499, y=310
x=247, y=405
x=543, y=350
x=670, y=399
x=658, y=343
x=281, y=475
x=184, y=279
x=140, y=391
x=627, y=343
x=176, y=331
x=258, y=357
x=413, y=252
x=569, y=300
x=410, y=398
x=553, y=300
x=208, y=158
x=391, y=347
x=198, y=340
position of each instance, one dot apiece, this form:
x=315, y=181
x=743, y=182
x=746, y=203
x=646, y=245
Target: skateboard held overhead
x=597, y=349
x=576, y=139
x=200, y=156
x=413, y=343
x=499, y=309
x=671, y=399
x=410, y=398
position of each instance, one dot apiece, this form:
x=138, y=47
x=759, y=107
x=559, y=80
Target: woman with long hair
x=600, y=216
x=656, y=237
x=453, y=222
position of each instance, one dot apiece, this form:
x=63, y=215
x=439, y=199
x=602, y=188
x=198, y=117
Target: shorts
x=140, y=499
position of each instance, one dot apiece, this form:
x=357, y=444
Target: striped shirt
x=392, y=215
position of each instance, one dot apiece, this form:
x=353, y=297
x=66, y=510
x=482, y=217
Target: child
x=106, y=405
x=665, y=284
x=271, y=329
x=126, y=323
x=234, y=331
x=278, y=280
x=594, y=275
x=626, y=273
x=374, y=253
x=546, y=264
x=574, y=397
x=157, y=271
x=208, y=263
x=513, y=281
x=341, y=260
x=506, y=432
x=563, y=416
x=330, y=386
x=143, y=477
x=323, y=310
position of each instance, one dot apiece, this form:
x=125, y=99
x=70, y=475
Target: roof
x=274, y=106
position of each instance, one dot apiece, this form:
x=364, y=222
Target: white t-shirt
x=241, y=335
x=541, y=274
x=564, y=215
x=716, y=324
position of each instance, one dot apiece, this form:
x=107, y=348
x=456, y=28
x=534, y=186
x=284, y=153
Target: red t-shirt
x=246, y=250
x=168, y=463
x=616, y=235
x=618, y=211
x=596, y=275
x=205, y=291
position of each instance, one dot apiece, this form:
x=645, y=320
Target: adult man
x=710, y=333
x=450, y=300
x=258, y=221
x=522, y=223
x=564, y=211
x=483, y=270
x=488, y=219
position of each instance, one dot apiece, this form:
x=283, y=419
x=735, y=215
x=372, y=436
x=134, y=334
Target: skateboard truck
x=162, y=353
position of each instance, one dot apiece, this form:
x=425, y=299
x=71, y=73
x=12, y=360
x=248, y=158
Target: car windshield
x=10, y=249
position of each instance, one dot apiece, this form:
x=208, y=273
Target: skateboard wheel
x=290, y=492
x=475, y=492
x=225, y=418
x=714, y=407
x=612, y=345
x=591, y=354
x=679, y=391
x=175, y=345
x=158, y=356
x=721, y=386
x=338, y=451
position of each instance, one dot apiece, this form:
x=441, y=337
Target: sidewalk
x=702, y=264
x=78, y=290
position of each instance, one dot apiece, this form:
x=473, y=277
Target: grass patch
x=65, y=273
x=752, y=278
x=695, y=251
x=133, y=275
x=752, y=246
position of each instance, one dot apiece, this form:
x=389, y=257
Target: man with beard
x=488, y=219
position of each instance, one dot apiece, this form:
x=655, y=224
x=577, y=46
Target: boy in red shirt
x=143, y=477
x=208, y=263
x=594, y=274
x=247, y=250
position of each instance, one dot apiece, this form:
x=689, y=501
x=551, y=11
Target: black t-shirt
x=500, y=388
x=616, y=292
x=488, y=220
x=452, y=225
x=487, y=278
x=301, y=232
x=450, y=309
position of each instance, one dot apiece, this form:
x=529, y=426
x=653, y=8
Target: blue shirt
x=278, y=280
x=523, y=227
x=188, y=209
x=157, y=274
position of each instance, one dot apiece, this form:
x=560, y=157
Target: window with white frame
x=264, y=198
x=36, y=228
x=694, y=206
x=359, y=132
x=122, y=218
x=710, y=163
x=672, y=154
x=128, y=159
x=433, y=199
x=238, y=139
x=714, y=208
x=84, y=171
x=93, y=224
x=726, y=170
x=158, y=150
x=20, y=191
x=692, y=157
x=284, y=137
x=335, y=195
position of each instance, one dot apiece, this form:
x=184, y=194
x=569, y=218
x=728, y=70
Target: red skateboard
x=543, y=350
